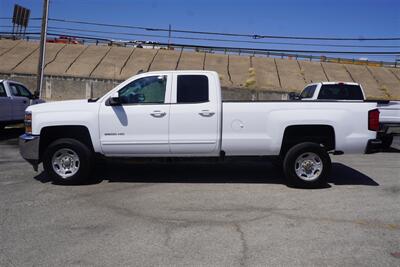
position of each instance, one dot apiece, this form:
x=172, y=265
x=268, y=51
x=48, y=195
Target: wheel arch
x=319, y=133
x=51, y=133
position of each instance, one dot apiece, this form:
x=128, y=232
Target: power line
x=212, y=39
x=254, y=36
x=35, y=27
x=103, y=24
x=7, y=18
x=242, y=49
x=223, y=40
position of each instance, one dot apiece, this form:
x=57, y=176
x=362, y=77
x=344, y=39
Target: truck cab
x=150, y=115
x=333, y=91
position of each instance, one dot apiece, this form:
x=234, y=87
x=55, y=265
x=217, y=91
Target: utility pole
x=169, y=36
x=42, y=53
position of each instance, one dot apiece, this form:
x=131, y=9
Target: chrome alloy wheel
x=65, y=162
x=308, y=166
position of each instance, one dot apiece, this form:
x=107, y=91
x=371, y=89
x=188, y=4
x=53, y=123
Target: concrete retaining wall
x=266, y=73
x=70, y=62
x=191, y=61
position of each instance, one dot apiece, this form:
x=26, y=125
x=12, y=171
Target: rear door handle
x=25, y=101
x=206, y=113
x=158, y=114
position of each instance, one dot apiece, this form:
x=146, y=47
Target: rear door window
x=14, y=89
x=23, y=91
x=340, y=92
x=192, y=89
x=19, y=90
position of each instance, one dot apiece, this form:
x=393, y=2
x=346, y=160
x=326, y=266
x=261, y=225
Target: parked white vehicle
x=179, y=114
x=14, y=99
x=389, y=110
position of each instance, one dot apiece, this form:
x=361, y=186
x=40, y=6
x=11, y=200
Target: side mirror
x=35, y=95
x=294, y=96
x=114, y=100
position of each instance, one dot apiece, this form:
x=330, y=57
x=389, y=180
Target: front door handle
x=158, y=114
x=206, y=113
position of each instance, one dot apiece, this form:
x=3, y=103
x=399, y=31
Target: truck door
x=194, y=115
x=5, y=105
x=20, y=100
x=139, y=126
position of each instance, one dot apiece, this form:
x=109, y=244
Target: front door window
x=147, y=90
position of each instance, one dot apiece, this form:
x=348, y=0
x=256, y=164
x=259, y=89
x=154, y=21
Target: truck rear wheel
x=67, y=161
x=307, y=165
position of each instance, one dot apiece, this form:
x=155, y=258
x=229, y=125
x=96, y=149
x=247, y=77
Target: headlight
x=28, y=122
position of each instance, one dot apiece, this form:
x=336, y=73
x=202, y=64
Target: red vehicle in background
x=64, y=40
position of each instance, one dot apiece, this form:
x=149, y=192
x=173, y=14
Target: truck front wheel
x=307, y=165
x=67, y=161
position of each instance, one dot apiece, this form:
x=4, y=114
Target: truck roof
x=349, y=83
x=11, y=81
x=179, y=71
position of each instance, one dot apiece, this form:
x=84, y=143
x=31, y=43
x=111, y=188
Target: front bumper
x=29, y=149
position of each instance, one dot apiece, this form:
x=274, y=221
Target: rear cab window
x=192, y=89
x=340, y=92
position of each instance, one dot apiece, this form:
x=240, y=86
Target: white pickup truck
x=178, y=114
x=14, y=99
x=389, y=110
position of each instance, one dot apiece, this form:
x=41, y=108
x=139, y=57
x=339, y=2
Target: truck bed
x=257, y=128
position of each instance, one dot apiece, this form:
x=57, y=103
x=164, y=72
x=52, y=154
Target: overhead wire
x=243, y=49
x=254, y=36
x=222, y=40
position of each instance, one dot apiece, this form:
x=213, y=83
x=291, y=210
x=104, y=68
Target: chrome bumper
x=29, y=149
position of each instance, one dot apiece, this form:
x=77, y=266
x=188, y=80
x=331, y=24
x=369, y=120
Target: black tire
x=289, y=166
x=84, y=156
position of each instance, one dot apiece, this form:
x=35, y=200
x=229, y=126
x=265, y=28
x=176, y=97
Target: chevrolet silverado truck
x=14, y=99
x=389, y=110
x=180, y=114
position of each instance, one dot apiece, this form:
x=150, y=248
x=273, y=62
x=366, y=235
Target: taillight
x=373, y=120
x=28, y=122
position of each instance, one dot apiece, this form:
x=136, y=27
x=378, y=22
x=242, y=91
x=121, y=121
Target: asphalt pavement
x=233, y=214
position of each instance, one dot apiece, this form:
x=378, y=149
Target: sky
x=313, y=18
